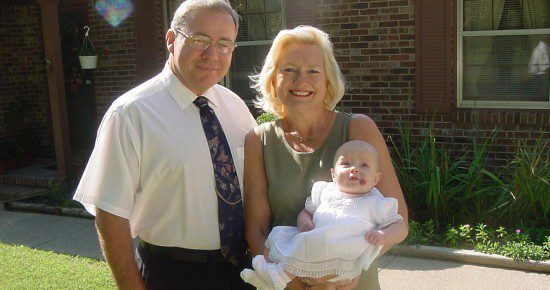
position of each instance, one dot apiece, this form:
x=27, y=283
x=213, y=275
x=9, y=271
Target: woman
x=301, y=83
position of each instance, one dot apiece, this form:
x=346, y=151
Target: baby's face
x=356, y=171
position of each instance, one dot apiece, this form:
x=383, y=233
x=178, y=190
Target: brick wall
x=25, y=119
x=374, y=43
x=117, y=70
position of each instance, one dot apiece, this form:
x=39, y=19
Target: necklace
x=313, y=136
x=302, y=140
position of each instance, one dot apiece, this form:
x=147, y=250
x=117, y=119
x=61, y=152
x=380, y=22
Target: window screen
x=505, y=50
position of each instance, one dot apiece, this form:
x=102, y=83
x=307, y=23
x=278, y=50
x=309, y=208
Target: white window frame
x=459, y=64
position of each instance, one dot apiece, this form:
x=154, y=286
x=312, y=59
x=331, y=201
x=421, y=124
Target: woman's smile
x=301, y=93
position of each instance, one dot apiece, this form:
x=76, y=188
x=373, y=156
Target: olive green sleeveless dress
x=291, y=175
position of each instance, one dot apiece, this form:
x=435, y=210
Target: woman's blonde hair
x=263, y=82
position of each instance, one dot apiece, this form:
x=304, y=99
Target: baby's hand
x=306, y=225
x=376, y=237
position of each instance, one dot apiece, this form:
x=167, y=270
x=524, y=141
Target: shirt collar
x=180, y=93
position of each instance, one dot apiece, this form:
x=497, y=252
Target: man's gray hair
x=186, y=10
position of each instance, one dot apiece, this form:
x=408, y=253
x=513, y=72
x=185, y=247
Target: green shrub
x=525, y=250
x=87, y=49
x=538, y=235
x=421, y=233
x=528, y=186
x=458, y=237
x=62, y=193
x=531, y=243
x=441, y=186
x=479, y=189
x=266, y=117
x=452, y=188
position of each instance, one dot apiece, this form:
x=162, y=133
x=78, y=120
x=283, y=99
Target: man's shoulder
x=228, y=97
x=144, y=91
x=232, y=103
x=223, y=90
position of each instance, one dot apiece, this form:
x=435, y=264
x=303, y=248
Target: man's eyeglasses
x=201, y=42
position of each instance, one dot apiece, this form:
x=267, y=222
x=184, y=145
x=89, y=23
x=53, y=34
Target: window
x=261, y=20
x=503, y=54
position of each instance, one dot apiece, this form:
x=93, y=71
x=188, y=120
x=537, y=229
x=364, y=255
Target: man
x=161, y=170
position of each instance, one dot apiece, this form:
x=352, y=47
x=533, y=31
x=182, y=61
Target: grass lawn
x=25, y=268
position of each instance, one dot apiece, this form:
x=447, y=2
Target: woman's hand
x=347, y=285
x=338, y=285
x=376, y=237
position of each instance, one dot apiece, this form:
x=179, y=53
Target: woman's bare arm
x=363, y=128
x=256, y=203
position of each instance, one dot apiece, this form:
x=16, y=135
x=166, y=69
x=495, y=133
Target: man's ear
x=170, y=38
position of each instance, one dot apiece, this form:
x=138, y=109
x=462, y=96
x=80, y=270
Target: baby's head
x=356, y=167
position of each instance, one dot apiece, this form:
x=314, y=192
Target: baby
x=351, y=221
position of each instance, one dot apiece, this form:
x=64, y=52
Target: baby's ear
x=378, y=176
x=332, y=173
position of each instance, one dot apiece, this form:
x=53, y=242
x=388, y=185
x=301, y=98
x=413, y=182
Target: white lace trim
x=309, y=206
x=344, y=269
x=277, y=275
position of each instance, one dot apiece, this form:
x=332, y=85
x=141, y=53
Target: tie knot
x=201, y=102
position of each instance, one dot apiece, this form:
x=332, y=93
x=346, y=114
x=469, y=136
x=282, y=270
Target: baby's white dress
x=337, y=245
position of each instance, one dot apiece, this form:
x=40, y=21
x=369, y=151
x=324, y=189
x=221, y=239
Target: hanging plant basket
x=87, y=54
x=88, y=61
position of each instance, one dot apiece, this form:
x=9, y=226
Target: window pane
x=272, y=5
x=506, y=68
x=255, y=23
x=239, y=5
x=255, y=6
x=256, y=27
x=482, y=15
x=173, y=5
x=274, y=24
x=247, y=60
x=261, y=20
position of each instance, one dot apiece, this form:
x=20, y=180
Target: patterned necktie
x=230, y=206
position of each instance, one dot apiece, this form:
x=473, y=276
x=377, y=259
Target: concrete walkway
x=75, y=236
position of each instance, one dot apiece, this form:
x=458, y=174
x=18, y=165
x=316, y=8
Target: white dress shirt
x=151, y=163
